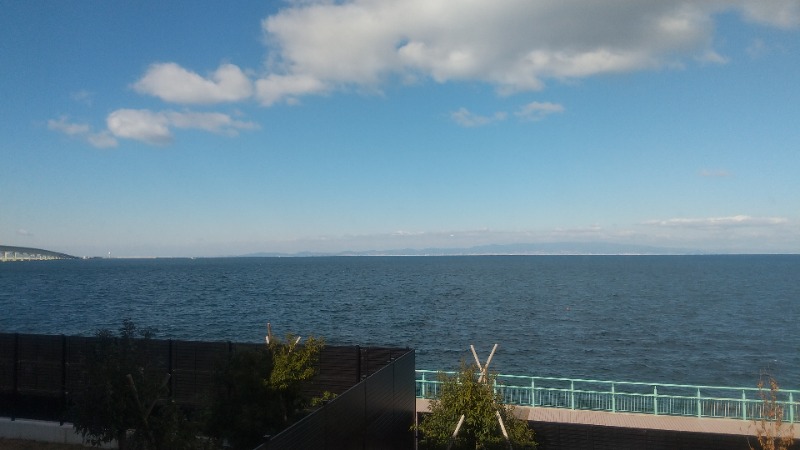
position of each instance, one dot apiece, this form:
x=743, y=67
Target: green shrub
x=464, y=393
x=258, y=392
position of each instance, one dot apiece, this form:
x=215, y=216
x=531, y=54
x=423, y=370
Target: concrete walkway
x=625, y=420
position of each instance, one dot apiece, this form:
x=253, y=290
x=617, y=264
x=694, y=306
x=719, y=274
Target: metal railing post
x=533, y=392
x=699, y=404
x=655, y=400
x=744, y=405
x=424, y=386
x=792, y=406
x=613, y=399
x=572, y=394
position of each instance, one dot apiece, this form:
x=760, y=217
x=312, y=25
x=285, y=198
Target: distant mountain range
x=555, y=248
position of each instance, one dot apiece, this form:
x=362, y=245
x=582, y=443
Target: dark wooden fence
x=38, y=373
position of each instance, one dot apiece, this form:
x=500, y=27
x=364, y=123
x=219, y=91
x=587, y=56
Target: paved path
x=625, y=420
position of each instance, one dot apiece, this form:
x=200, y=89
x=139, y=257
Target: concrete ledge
x=626, y=420
x=38, y=430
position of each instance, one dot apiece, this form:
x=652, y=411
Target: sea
x=719, y=320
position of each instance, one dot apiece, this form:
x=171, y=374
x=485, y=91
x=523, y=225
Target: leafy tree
x=243, y=409
x=258, y=392
x=123, y=392
x=466, y=394
x=292, y=365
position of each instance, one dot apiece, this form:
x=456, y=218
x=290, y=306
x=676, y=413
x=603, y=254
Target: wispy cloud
x=82, y=131
x=779, y=13
x=720, y=222
x=24, y=232
x=531, y=112
x=466, y=118
x=104, y=139
x=538, y=110
x=82, y=96
x=156, y=127
x=756, y=49
x=151, y=127
x=63, y=125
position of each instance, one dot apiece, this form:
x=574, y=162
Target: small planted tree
x=469, y=414
x=242, y=407
x=259, y=392
x=771, y=431
x=292, y=365
x=123, y=394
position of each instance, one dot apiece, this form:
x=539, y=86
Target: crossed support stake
x=484, y=378
x=268, y=338
x=144, y=411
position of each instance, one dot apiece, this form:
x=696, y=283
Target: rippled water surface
x=675, y=319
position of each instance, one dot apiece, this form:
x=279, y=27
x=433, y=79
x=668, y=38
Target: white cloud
x=720, y=222
x=538, y=110
x=140, y=124
x=69, y=128
x=213, y=122
x=466, y=118
x=172, y=83
x=779, y=13
x=104, y=139
x=156, y=127
x=82, y=131
x=514, y=45
x=275, y=88
x=533, y=111
x=24, y=232
x=318, y=46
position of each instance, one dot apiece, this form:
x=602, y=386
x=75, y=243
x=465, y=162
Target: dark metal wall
x=564, y=436
x=377, y=413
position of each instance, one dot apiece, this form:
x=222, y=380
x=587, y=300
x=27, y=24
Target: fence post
x=792, y=407
x=744, y=405
x=358, y=363
x=571, y=394
x=655, y=400
x=699, y=404
x=533, y=392
x=63, y=378
x=613, y=399
x=424, y=387
x=15, y=379
x=169, y=369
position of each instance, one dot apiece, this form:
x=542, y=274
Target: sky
x=216, y=128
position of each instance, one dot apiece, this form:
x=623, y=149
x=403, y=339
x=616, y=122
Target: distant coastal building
x=9, y=253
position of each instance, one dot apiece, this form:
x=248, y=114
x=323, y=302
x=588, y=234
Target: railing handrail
x=618, y=383
x=660, y=398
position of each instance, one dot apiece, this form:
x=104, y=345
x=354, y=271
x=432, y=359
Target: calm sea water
x=716, y=320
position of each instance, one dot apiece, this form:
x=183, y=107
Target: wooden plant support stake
x=268, y=338
x=484, y=378
x=145, y=412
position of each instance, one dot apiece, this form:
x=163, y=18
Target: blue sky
x=213, y=128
